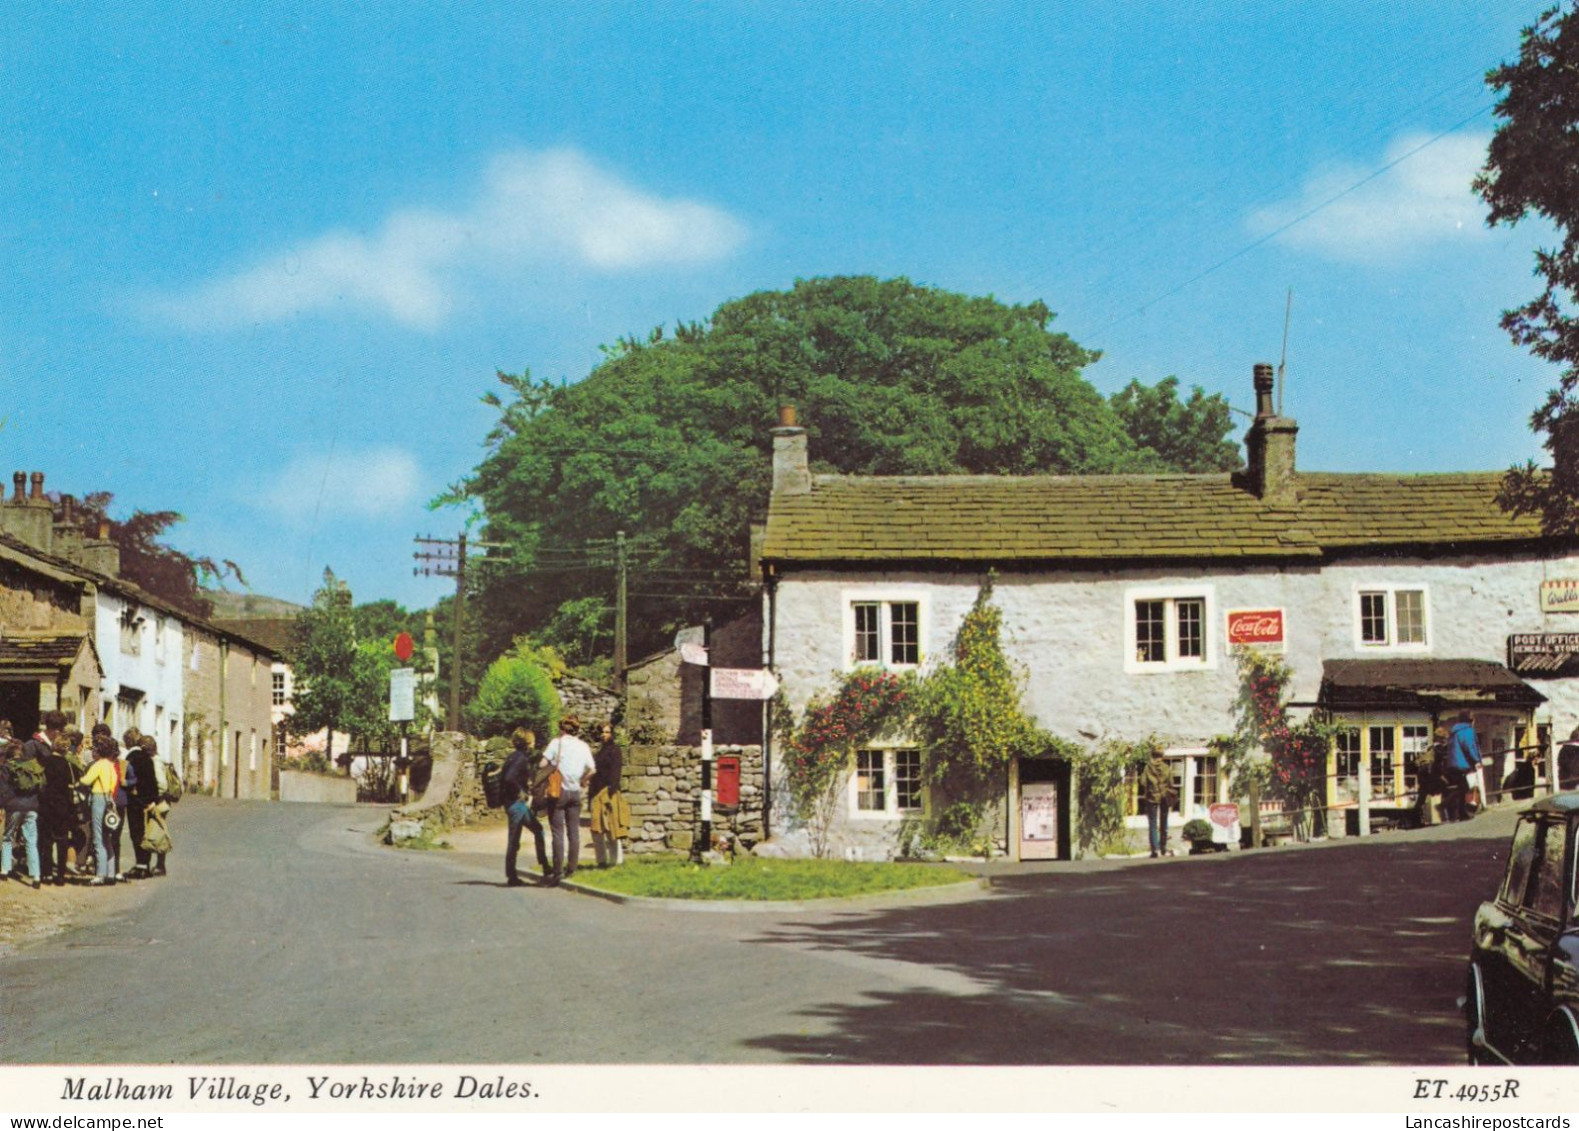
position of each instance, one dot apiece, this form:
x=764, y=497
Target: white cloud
x=371, y=483
x=534, y=208
x=1423, y=201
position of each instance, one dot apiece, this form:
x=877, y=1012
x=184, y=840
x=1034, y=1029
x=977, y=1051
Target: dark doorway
x=19, y=705
x=1044, y=785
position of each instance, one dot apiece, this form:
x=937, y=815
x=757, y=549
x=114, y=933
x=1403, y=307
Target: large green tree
x=1532, y=168
x=323, y=661
x=667, y=440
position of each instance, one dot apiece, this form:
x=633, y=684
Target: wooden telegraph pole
x=447, y=558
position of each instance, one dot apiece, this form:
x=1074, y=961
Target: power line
x=1301, y=218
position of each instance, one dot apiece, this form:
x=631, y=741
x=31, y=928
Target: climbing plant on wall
x=1282, y=760
x=864, y=704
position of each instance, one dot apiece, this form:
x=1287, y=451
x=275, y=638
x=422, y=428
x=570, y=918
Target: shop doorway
x=1044, y=809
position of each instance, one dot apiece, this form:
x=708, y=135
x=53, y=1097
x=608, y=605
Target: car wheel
x=1475, y=1020
x=1561, y=1042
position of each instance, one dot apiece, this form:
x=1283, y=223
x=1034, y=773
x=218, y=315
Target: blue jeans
x=106, y=848
x=520, y=813
x=1157, y=826
x=565, y=820
x=23, y=824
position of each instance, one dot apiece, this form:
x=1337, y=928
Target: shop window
x=1383, y=762
x=1390, y=617
x=887, y=783
x=1417, y=753
x=887, y=632
x=1346, y=765
x=1168, y=630
x=1204, y=789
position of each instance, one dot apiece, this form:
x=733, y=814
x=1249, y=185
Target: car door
x=1494, y=924
x=1531, y=938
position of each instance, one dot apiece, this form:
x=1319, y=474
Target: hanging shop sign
x=1544, y=653
x=1560, y=595
x=1256, y=628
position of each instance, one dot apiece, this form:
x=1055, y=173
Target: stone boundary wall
x=320, y=789
x=664, y=787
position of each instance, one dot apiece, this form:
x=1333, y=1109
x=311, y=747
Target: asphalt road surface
x=285, y=935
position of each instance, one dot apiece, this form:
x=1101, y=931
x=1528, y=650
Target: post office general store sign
x=1544, y=653
x=1560, y=595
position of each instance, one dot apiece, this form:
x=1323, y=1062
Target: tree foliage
x=514, y=692
x=150, y=564
x=322, y=657
x=1189, y=436
x=667, y=440
x=1532, y=168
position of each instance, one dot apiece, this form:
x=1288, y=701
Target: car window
x=1520, y=858
x=1546, y=891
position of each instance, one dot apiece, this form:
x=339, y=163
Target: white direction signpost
x=743, y=683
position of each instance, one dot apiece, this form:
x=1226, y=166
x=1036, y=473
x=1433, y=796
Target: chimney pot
x=19, y=482
x=1264, y=384
x=791, y=469
x=104, y=531
x=786, y=416
x=38, y=486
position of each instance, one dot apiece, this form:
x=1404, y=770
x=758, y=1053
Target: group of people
x=69, y=796
x=555, y=781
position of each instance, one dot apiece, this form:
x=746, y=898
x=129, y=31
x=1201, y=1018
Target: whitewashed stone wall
x=1067, y=629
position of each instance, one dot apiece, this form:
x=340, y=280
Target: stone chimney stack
x=68, y=534
x=29, y=520
x=1270, y=447
x=101, y=554
x=791, y=472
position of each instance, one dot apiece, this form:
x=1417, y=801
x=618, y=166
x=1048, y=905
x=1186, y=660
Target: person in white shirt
x=573, y=759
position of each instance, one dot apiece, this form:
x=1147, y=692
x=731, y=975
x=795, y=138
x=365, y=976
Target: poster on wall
x=1039, y=821
x=1262, y=629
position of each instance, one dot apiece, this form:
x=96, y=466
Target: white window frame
x=1170, y=595
x=1391, y=590
x=885, y=599
x=890, y=810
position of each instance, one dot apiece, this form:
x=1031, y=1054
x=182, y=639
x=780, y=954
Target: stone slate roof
x=39, y=654
x=1130, y=518
x=1425, y=684
x=273, y=633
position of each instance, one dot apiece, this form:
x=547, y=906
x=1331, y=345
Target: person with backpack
x=142, y=794
x=26, y=773
x=57, y=803
x=515, y=790
x=572, y=759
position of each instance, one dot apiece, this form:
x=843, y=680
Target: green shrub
x=1196, y=830
x=514, y=692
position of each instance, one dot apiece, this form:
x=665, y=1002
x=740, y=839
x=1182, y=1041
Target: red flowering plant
x=865, y=703
x=1293, y=769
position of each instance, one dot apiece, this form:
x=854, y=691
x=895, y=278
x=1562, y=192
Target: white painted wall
x=1067, y=630
x=156, y=670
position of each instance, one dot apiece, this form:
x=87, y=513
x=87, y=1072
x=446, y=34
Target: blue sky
x=263, y=259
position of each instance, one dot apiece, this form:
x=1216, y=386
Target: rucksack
x=171, y=787
x=493, y=786
x=27, y=777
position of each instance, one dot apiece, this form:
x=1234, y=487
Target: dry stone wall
x=664, y=787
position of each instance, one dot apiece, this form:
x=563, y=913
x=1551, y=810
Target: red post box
x=727, y=782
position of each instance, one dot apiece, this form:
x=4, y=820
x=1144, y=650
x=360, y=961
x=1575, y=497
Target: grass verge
x=751, y=878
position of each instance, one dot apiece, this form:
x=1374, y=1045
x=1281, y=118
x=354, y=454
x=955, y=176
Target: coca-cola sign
x=1255, y=628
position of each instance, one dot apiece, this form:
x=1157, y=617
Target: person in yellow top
x=103, y=778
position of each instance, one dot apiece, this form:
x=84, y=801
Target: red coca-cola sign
x=1255, y=626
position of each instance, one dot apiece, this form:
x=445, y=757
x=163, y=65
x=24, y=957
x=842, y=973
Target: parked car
x=1521, y=1005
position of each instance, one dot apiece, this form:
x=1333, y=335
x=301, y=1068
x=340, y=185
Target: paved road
x=285, y=935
